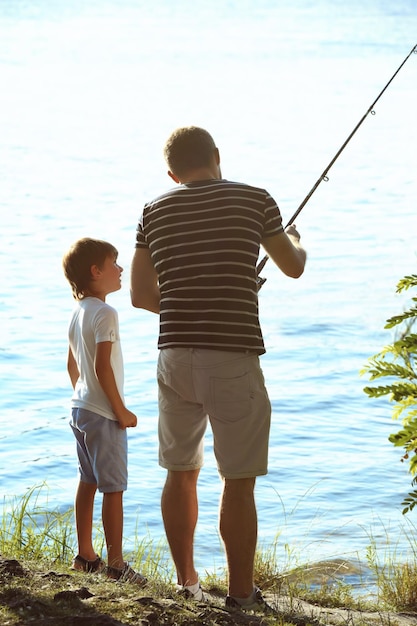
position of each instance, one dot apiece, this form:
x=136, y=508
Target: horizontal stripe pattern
x=204, y=240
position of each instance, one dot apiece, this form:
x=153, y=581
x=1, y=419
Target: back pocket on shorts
x=230, y=398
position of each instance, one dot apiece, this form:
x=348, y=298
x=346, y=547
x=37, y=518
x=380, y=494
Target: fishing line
x=323, y=175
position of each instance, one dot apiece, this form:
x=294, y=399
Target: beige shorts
x=225, y=388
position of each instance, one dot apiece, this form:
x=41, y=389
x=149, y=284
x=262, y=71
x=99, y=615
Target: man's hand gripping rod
x=323, y=176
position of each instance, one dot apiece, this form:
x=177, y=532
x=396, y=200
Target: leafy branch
x=398, y=361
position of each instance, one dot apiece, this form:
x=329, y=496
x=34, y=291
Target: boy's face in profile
x=109, y=275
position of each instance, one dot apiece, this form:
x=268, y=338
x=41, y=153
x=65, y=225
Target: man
x=197, y=247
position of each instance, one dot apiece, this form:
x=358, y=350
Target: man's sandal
x=80, y=564
x=126, y=575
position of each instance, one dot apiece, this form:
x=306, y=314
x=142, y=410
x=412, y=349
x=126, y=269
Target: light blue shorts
x=101, y=450
x=225, y=388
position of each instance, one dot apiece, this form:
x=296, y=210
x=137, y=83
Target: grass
x=33, y=532
x=396, y=576
x=28, y=530
x=37, y=545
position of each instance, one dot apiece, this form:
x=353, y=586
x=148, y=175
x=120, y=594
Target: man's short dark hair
x=187, y=149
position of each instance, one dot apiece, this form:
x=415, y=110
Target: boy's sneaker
x=126, y=575
x=259, y=605
x=186, y=593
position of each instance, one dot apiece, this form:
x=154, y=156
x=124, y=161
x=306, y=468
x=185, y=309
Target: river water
x=90, y=91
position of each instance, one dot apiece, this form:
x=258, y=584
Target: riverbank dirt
x=36, y=595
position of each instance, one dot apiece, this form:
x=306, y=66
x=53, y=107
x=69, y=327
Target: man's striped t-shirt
x=204, y=240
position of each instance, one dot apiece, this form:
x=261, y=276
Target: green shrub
x=397, y=361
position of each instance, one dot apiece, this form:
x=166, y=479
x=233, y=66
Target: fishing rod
x=323, y=175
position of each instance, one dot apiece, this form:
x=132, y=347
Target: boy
x=99, y=415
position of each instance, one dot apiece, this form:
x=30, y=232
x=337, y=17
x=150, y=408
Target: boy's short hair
x=79, y=259
x=188, y=148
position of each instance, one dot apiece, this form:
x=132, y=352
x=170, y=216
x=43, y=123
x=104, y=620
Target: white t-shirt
x=93, y=321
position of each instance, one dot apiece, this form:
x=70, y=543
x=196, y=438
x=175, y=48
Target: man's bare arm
x=286, y=252
x=144, y=289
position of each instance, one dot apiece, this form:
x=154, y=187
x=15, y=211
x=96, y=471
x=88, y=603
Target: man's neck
x=200, y=174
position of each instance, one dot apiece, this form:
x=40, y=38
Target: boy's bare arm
x=72, y=368
x=105, y=376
